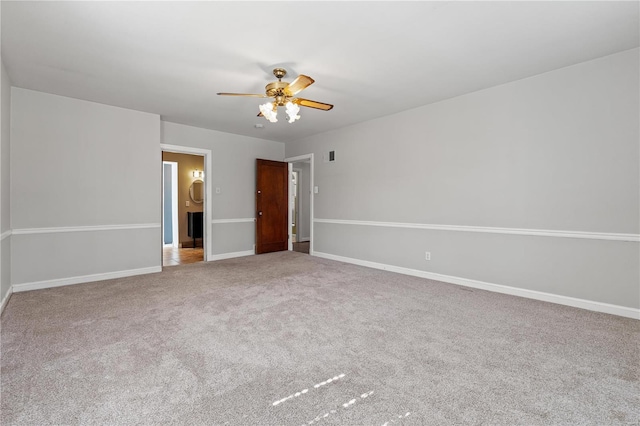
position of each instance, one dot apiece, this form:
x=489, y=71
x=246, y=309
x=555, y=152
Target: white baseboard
x=38, y=285
x=622, y=311
x=5, y=299
x=230, y=255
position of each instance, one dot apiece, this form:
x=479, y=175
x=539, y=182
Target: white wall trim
x=5, y=234
x=310, y=158
x=231, y=255
x=513, y=231
x=5, y=299
x=498, y=288
x=290, y=197
x=239, y=220
x=297, y=204
x=26, y=231
x=175, y=234
x=184, y=149
x=38, y=285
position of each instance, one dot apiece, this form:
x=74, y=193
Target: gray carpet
x=290, y=339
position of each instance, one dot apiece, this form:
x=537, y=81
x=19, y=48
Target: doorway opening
x=301, y=191
x=183, y=208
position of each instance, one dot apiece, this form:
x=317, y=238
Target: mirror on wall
x=196, y=191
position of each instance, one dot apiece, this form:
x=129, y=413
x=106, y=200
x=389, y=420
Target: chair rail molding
x=237, y=220
x=90, y=228
x=486, y=229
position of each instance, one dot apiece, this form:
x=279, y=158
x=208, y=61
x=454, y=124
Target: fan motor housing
x=276, y=88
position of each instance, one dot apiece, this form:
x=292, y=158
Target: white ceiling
x=368, y=58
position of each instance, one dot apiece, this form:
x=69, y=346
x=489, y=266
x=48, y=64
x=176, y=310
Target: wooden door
x=271, y=206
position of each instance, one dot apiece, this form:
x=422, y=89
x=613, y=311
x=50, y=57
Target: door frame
x=289, y=198
x=208, y=193
x=296, y=207
x=174, y=204
x=303, y=159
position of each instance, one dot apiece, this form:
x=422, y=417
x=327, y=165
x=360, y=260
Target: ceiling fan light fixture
x=292, y=111
x=283, y=95
x=269, y=111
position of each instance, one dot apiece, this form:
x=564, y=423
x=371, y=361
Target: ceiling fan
x=283, y=94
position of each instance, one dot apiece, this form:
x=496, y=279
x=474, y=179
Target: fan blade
x=298, y=85
x=312, y=104
x=243, y=94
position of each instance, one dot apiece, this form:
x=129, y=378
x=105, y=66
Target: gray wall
x=77, y=165
x=234, y=172
x=558, y=151
x=5, y=175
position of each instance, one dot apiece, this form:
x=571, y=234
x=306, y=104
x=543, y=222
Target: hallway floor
x=172, y=256
x=302, y=247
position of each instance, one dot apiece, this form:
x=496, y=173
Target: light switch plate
x=186, y=203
